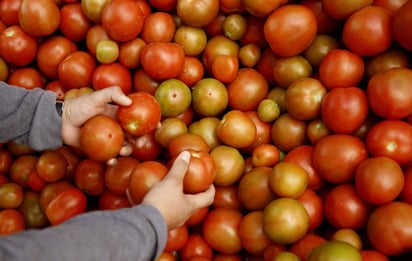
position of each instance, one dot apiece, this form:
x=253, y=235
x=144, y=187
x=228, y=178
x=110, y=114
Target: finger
x=126, y=149
x=203, y=199
x=112, y=94
x=112, y=162
x=179, y=167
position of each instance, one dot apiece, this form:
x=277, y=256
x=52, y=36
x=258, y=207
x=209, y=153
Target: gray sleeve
x=137, y=234
x=29, y=117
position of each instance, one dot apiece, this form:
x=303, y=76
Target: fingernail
x=185, y=155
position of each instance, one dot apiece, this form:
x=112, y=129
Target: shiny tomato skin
x=285, y=19
x=337, y=156
x=67, y=204
x=162, y=61
x=39, y=17
x=89, y=176
x=106, y=75
x=9, y=11
x=122, y=20
x=196, y=246
x=17, y=47
x=142, y=116
x=343, y=110
x=74, y=24
x=389, y=93
x=391, y=138
x=27, y=77
x=11, y=221
x=76, y=70
x=401, y=25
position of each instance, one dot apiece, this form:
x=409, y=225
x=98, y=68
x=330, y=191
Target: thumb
x=179, y=167
x=112, y=94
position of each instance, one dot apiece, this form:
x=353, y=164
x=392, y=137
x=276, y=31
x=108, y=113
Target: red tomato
x=251, y=234
x=74, y=23
x=389, y=93
x=305, y=245
x=368, y=31
x=341, y=68
x=142, y=116
x=286, y=19
x=196, y=246
x=111, y=201
x=107, y=75
x=158, y=27
x=39, y=17
x=341, y=10
x=372, y=255
x=227, y=196
x=177, y=238
x=51, y=166
x=221, y=230
x=76, y=70
x=6, y=160
x=147, y=148
x=344, y=110
x=337, y=156
x=28, y=78
x=389, y=228
x=117, y=176
x=313, y=204
x=391, y=138
x=401, y=25
x=65, y=205
x=344, y=208
x=122, y=20
x=162, y=61
x=406, y=194
x=89, y=176
x=17, y=47
x=51, y=190
x=11, y=221
x=9, y=11
x=379, y=180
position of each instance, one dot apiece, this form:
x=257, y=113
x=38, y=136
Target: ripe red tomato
x=341, y=68
x=65, y=205
x=197, y=14
x=101, y=138
x=389, y=228
x=401, y=25
x=337, y=156
x=28, y=78
x=17, y=47
x=391, y=138
x=304, y=246
x=147, y=147
x=122, y=20
x=251, y=233
x=117, y=177
x=177, y=238
x=74, y=23
x=11, y=221
x=76, y=70
x=158, y=27
x=345, y=208
x=341, y=10
x=6, y=160
x=389, y=93
x=39, y=17
x=196, y=246
x=89, y=176
x=51, y=166
x=379, y=180
x=9, y=11
x=221, y=230
x=344, y=110
x=11, y=195
x=162, y=61
x=111, y=201
x=368, y=31
x=286, y=19
x=236, y=129
x=142, y=116
x=313, y=204
x=106, y=75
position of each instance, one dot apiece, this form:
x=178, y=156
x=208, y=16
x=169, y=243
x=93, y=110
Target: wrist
x=59, y=107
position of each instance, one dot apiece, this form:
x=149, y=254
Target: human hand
x=80, y=109
x=167, y=196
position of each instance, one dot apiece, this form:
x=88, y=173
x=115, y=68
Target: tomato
x=89, y=176
x=28, y=78
x=341, y=68
x=368, y=31
x=6, y=160
x=162, y=60
x=74, y=23
x=177, y=238
x=349, y=236
x=391, y=88
x=67, y=204
x=326, y=24
x=253, y=188
x=11, y=195
x=265, y=155
x=206, y=128
x=94, y=35
x=379, y=180
x=230, y=164
x=221, y=230
x=147, y=148
x=254, y=32
x=117, y=176
x=247, y=90
x=306, y=244
x=288, y=132
x=304, y=98
x=51, y=190
x=34, y=215
x=142, y=116
x=373, y=255
x=129, y=53
x=197, y=217
x=400, y=25
x=288, y=179
x=393, y=57
x=216, y=46
x=345, y=208
x=106, y=75
x=197, y=14
x=158, y=27
x=171, y=128
x=111, y=201
x=122, y=20
x=285, y=221
x=391, y=138
x=51, y=166
x=282, y=21
x=225, y=68
x=334, y=249
x=76, y=70
x=236, y=129
x=313, y=204
x=196, y=246
x=51, y=52
x=389, y=228
x=342, y=9
x=344, y=109
x=192, y=39
x=11, y=221
x=251, y=234
x=144, y=176
x=21, y=168
x=187, y=141
x=9, y=11
x=93, y=9
x=336, y=157
x=287, y=70
x=406, y=194
x=227, y=196
x=17, y=47
x=262, y=131
x=39, y=17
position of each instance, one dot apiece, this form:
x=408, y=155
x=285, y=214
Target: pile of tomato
x=301, y=110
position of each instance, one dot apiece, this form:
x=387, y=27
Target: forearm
x=137, y=233
x=29, y=117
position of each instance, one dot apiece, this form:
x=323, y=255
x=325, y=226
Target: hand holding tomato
x=79, y=110
x=168, y=197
